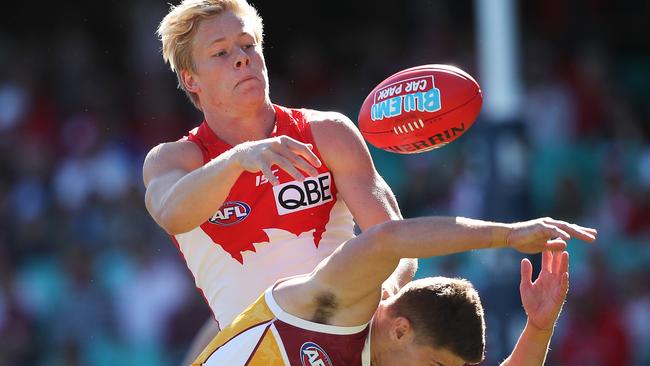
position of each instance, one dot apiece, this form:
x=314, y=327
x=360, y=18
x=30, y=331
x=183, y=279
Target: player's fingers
x=547, y=262
x=288, y=167
x=564, y=283
x=576, y=231
x=265, y=168
x=557, y=260
x=564, y=263
x=555, y=245
x=526, y=274
x=304, y=150
x=298, y=161
x=555, y=232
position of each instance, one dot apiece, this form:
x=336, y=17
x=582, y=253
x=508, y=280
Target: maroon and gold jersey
x=266, y=335
x=263, y=232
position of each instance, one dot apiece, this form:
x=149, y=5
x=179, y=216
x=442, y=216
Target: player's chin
x=250, y=94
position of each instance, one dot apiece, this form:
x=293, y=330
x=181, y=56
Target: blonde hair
x=176, y=32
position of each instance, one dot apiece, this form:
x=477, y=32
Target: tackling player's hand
x=543, y=299
x=546, y=233
x=290, y=155
x=389, y=288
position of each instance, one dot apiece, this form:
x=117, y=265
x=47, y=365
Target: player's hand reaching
x=290, y=155
x=546, y=233
x=543, y=299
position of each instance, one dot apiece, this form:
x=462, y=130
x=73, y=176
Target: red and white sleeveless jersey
x=266, y=335
x=263, y=232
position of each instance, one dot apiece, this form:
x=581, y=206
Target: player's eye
x=220, y=53
x=249, y=46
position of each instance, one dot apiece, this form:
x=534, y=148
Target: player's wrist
x=235, y=158
x=540, y=329
x=500, y=236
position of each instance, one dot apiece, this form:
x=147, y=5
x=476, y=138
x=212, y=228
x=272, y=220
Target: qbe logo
x=312, y=354
x=230, y=213
x=297, y=196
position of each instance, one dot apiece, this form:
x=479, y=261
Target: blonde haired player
x=257, y=191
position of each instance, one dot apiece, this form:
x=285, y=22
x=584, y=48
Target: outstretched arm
x=542, y=300
x=354, y=272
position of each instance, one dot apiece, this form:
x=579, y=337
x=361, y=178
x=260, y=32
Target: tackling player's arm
x=363, y=190
x=542, y=300
x=181, y=192
x=352, y=275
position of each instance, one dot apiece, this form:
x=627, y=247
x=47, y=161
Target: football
x=420, y=109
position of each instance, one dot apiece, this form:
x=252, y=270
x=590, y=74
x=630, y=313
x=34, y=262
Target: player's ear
x=401, y=330
x=189, y=81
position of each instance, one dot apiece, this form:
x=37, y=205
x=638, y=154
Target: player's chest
x=254, y=195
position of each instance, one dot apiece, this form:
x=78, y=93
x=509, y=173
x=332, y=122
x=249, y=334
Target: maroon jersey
x=266, y=335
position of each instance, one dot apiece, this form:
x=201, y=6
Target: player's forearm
x=198, y=195
x=531, y=348
x=434, y=236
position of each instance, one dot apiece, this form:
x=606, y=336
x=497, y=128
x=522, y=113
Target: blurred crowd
x=87, y=278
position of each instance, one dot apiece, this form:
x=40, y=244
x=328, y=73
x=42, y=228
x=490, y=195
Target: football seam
x=459, y=106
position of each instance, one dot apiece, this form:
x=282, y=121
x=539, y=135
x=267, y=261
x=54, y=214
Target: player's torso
x=266, y=335
x=263, y=232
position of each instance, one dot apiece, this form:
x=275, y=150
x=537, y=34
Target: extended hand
x=543, y=298
x=537, y=235
x=283, y=151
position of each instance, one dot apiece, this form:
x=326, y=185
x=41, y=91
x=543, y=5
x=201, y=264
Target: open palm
x=543, y=299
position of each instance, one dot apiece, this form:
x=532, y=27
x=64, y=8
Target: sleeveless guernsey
x=263, y=232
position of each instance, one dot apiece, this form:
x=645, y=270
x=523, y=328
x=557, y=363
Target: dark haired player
x=335, y=316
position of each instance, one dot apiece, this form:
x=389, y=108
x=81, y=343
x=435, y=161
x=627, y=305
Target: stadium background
x=87, y=278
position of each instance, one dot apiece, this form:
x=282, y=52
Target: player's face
x=230, y=67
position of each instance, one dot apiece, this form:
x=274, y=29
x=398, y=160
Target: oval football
x=420, y=108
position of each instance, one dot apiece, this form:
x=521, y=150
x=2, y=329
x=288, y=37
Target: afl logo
x=312, y=354
x=230, y=213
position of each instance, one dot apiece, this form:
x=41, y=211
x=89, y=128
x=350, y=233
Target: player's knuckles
x=288, y=142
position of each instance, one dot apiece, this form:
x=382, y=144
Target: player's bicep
x=364, y=191
x=163, y=167
x=158, y=189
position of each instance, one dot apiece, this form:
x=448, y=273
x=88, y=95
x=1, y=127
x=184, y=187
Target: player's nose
x=242, y=60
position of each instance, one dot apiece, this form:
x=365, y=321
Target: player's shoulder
x=181, y=150
x=182, y=154
x=336, y=135
x=326, y=117
x=330, y=123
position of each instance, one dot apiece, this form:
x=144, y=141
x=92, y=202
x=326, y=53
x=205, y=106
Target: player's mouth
x=245, y=80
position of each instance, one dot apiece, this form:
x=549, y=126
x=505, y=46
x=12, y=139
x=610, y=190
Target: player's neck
x=376, y=341
x=235, y=127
